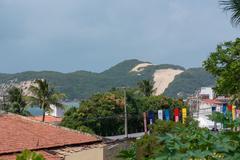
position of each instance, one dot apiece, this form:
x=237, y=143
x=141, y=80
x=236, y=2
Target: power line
x=130, y=115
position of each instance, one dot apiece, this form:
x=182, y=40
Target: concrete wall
x=90, y=154
x=101, y=152
x=111, y=151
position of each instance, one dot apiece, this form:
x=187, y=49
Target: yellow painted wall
x=90, y=154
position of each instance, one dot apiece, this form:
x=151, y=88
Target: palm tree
x=17, y=103
x=44, y=96
x=234, y=7
x=146, y=87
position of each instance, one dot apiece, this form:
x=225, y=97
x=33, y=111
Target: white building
x=205, y=109
x=202, y=105
x=207, y=92
x=56, y=111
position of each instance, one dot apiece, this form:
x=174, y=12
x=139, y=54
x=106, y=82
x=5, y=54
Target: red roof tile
x=48, y=119
x=45, y=154
x=212, y=101
x=18, y=133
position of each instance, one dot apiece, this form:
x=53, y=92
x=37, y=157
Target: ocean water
x=36, y=111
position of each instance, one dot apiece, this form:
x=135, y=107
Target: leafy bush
x=29, y=155
x=176, y=141
x=226, y=120
x=129, y=154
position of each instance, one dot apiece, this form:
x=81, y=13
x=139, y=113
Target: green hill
x=82, y=84
x=189, y=81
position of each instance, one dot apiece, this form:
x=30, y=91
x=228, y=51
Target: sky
x=93, y=35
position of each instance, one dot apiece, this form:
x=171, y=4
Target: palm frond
x=44, y=96
x=146, y=87
x=34, y=90
x=31, y=100
x=55, y=99
x=234, y=7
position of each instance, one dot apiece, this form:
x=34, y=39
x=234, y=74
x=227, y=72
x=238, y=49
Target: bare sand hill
x=25, y=85
x=163, y=77
x=140, y=67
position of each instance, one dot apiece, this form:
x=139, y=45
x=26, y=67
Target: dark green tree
x=234, y=7
x=44, y=96
x=101, y=114
x=146, y=87
x=224, y=64
x=17, y=103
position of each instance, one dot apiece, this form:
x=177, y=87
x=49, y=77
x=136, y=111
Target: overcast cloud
x=70, y=35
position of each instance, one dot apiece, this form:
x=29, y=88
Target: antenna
x=37, y=143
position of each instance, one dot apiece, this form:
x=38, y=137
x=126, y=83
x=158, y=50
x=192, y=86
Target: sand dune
x=140, y=67
x=163, y=77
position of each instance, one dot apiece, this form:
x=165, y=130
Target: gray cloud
x=69, y=35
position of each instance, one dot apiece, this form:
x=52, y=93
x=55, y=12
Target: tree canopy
x=103, y=114
x=17, y=103
x=224, y=64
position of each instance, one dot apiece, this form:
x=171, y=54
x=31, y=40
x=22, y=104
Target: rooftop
x=212, y=101
x=45, y=154
x=19, y=133
x=48, y=119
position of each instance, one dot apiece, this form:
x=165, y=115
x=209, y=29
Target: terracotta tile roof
x=48, y=119
x=18, y=133
x=46, y=155
x=212, y=101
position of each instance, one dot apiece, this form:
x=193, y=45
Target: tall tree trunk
x=43, y=118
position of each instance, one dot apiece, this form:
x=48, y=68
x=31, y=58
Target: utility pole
x=145, y=122
x=125, y=113
x=198, y=104
x=4, y=103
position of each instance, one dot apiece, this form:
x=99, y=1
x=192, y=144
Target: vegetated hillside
x=82, y=84
x=189, y=81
